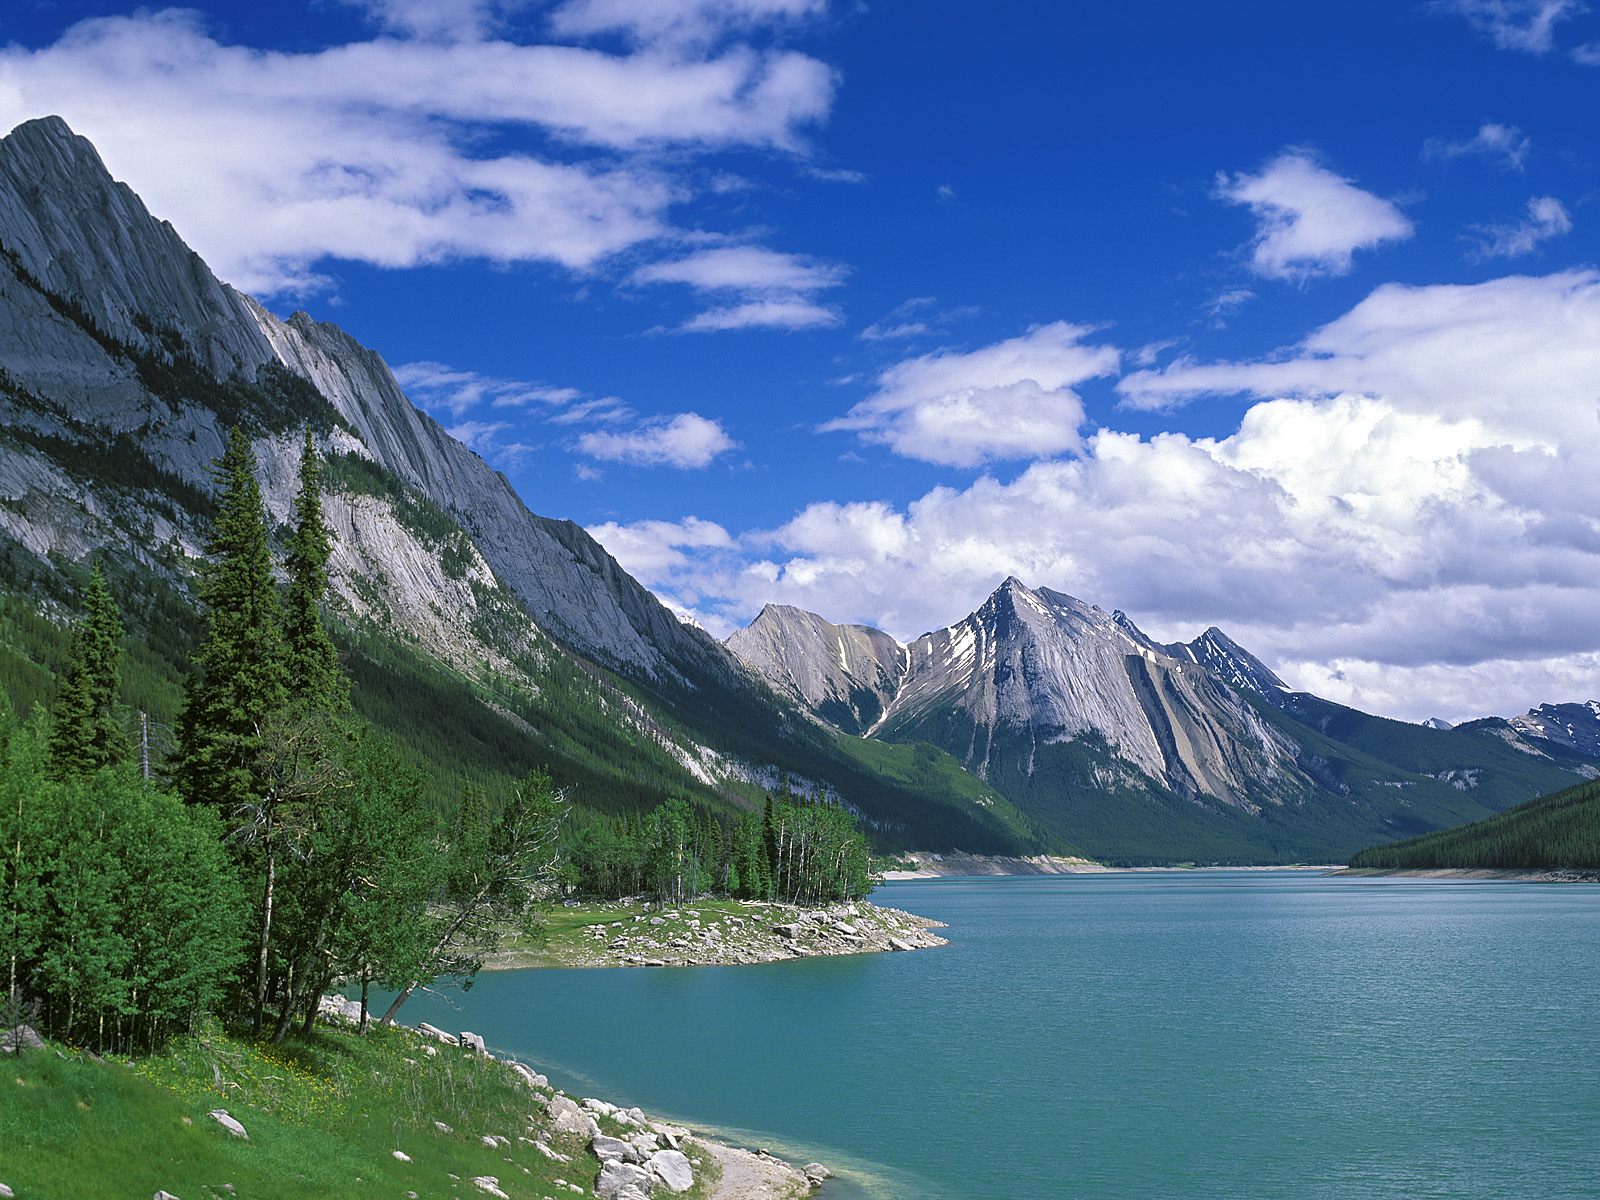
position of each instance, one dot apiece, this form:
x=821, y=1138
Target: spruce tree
x=314, y=678
x=86, y=733
x=239, y=674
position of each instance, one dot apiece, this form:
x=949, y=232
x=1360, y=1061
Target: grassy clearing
x=324, y=1114
x=569, y=940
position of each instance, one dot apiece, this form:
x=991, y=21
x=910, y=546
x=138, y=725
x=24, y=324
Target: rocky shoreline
x=723, y=933
x=954, y=865
x=615, y=1153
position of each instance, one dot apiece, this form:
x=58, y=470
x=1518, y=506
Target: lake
x=1130, y=1035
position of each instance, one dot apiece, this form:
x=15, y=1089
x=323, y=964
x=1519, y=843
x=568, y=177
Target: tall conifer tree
x=85, y=732
x=239, y=675
x=314, y=678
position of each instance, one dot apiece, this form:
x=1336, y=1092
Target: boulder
x=815, y=1173
x=472, y=1043
x=897, y=944
x=567, y=1118
x=442, y=1127
x=674, y=1136
x=19, y=1038
x=401, y=1156
x=599, y=1106
x=610, y=1149
x=528, y=1075
x=788, y=931
x=6, y=1193
x=615, y=1176
x=673, y=1169
x=221, y=1117
x=645, y=1144
x=489, y=1184
x=437, y=1034
x=163, y=1194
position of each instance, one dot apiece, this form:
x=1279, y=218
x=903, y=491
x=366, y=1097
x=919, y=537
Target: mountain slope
x=1560, y=832
x=123, y=361
x=1138, y=751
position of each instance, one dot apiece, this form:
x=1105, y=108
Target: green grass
x=324, y=1116
x=1561, y=831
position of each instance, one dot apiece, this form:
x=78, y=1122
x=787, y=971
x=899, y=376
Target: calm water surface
x=1207, y=1034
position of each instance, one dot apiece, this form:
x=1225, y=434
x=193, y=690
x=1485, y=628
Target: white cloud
x=675, y=20
x=686, y=441
x=774, y=290
x=1505, y=145
x=1405, y=518
x=889, y=333
x=444, y=389
x=478, y=435
x=945, y=193
x=1310, y=221
x=455, y=19
x=1525, y=25
x=1520, y=354
x=649, y=548
x=1547, y=218
x=373, y=151
x=1010, y=400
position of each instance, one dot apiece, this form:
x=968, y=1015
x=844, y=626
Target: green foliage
x=120, y=912
x=1561, y=831
x=314, y=677
x=800, y=852
x=86, y=732
x=239, y=675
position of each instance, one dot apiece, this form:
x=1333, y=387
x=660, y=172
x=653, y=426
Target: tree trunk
x=266, y=929
x=366, y=982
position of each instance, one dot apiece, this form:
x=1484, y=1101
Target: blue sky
x=1277, y=317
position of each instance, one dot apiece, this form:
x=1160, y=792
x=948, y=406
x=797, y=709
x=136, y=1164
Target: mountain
x=1142, y=751
x=1560, y=832
x=1575, y=727
x=486, y=638
x=846, y=674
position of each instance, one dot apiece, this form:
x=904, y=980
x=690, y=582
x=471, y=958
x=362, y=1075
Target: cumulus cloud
x=686, y=441
x=1547, y=218
x=772, y=290
x=1405, y=517
x=1310, y=221
x=374, y=151
x=1009, y=400
x=1525, y=25
x=1504, y=145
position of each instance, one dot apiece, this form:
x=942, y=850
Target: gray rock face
x=1033, y=668
x=1230, y=662
x=1573, y=726
x=673, y=1170
x=847, y=674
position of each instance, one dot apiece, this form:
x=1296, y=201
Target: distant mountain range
x=1137, y=750
x=488, y=639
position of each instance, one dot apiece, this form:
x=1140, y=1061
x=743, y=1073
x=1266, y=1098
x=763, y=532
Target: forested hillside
x=1559, y=831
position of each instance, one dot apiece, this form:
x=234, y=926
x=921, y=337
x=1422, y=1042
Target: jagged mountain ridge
x=1123, y=743
x=123, y=360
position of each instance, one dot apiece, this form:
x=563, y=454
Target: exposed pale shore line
x=1470, y=874
x=964, y=866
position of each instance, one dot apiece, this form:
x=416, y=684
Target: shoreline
x=715, y=932
x=625, y=1146
x=1469, y=874
x=981, y=866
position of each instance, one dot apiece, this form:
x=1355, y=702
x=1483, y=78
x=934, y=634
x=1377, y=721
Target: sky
x=1282, y=318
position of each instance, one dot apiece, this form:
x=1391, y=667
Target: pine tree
x=239, y=674
x=314, y=678
x=86, y=733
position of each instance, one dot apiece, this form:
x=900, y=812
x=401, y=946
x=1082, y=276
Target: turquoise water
x=1227, y=1034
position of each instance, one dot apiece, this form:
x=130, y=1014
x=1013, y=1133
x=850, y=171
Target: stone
x=6, y=1193
x=898, y=944
x=19, y=1038
x=788, y=931
x=645, y=1144
x=615, y=1176
x=528, y=1075
x=221, y=1117
x=610, y=1149
x=673, y=1169
x=401, y=1156
x=673, y=1135
x=552, y=1155
x=163, y=1194
x=472, y=1043
x=489, y=1184
x=816, y=1173
x=437, y=1034
x=489, y=1140
x=567, y=1118
x=599, y=1106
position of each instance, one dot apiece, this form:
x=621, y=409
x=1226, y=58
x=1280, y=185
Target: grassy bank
x=324, y=1114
